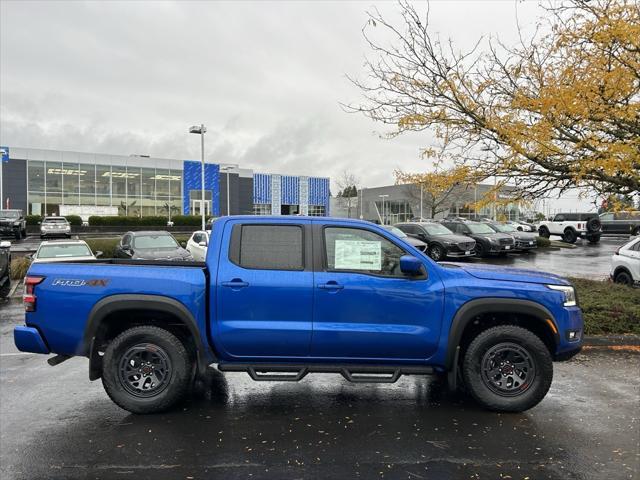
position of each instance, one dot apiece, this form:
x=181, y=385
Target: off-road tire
x=593, y=225
x=623, y=278
x=531, y=392
x=6, y=286
x=177, y=385
x=570, y=236
x=544, y=232
x=437, y=253
x=593, y=239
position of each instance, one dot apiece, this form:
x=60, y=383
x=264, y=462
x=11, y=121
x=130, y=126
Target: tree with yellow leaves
x=558, y=111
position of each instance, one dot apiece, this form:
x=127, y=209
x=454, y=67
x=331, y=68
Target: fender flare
x=470, y=310
x=121, y=302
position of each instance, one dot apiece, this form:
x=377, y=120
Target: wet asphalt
x=56, y=424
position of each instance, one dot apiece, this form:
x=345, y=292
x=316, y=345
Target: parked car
x=63, y=251
x=151, y=245
x=524, y=241
x=625, y=263
x=197, y=245
x=5, y=268
x=571, y=226
x=55, y=227
x=283, y=297
x=12, y=222
x=441, y=241
x=522, y=226
x=625, y=223
x=419, y=244
x=488, y=241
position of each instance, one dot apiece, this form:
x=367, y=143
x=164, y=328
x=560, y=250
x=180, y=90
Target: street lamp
x=200, y=130
x=227, y=169
x=383, y=213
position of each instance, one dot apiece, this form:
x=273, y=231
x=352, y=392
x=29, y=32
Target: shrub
x=75, y=220
x=33, y=219
x=187, y=220
x=121, y=221
x=608, y=308
x=105, y=245
x=19, y=267
x=543, y=242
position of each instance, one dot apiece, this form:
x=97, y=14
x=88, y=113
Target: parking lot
x=57, y=424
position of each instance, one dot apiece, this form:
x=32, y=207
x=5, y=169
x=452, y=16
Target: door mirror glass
x=183, y=244
x=98, y=254
x=410, y=265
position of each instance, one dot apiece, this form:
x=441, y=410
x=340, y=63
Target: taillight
x=29, y=295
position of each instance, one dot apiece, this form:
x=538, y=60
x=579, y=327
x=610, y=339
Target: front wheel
x=437, y=252
x=146, y=370
x=507, y=368
x=623, y=278
x=544, y=232
x=570, y=236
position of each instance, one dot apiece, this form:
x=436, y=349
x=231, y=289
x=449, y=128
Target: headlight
x=568, y=292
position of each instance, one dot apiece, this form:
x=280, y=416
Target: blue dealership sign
x=5, y=154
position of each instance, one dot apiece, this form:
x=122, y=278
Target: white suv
x=571, y=226
x=625, y=263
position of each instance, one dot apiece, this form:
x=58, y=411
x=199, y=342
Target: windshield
x=153, y=242
x=503, y=228
x=9, y=214
x=396, y=231
x=54, y=220
x=480, y=228
x=435, y=229
x=64, y=250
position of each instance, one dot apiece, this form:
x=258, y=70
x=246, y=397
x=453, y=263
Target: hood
x=495, y=272
x=494, y=236
x=162, y=254
x=414, y=241
x=452, y=238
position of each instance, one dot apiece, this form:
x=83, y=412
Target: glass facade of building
x=135, y=191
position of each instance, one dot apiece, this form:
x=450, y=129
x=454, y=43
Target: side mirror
x=98, y=254
x=203, y=244
x=410, y=265
x=5, y=244
x=183, y=244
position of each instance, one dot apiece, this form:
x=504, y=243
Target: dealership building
x=62, y=182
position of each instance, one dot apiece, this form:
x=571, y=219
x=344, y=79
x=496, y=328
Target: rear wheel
x=623, y=278
x=436, y=252
x=146, y=370
x=507, y=368
x=570, y=236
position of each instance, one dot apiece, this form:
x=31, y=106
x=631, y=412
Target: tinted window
x=126, y=240
x=606, y=216
x=559, y=218
x=55, y=220
x=64, y=250
x=197, y=237
x=152, y=242
x=435, y=229
x=271, y=247
x=351, y=249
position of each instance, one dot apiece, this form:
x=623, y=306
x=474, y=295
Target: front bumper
x=8, y=230
x=460, y=254
x=28, y=339
x=525, y=245
x=55, y=233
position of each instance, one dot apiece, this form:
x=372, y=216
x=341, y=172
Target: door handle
x=235, y=283
x=330, y=286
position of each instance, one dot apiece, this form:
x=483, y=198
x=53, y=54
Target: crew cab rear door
x=265, y=289
x=364, y=306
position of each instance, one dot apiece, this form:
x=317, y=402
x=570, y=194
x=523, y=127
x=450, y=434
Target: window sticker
x=358, y=255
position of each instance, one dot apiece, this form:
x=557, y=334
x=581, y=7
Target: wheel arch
x=471, y=311
x=621, y=268
x=109, y=312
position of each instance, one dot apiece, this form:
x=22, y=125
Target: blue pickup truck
x=281, y=297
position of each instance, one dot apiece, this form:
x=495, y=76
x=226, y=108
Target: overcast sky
x=266, y=78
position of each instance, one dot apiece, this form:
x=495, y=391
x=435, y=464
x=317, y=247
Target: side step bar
x=284, y=372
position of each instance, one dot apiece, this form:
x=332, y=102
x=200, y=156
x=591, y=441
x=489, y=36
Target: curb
x=611, y=340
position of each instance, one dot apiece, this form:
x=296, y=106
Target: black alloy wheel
x=623, y=278
x=544, y=232
x=480, y=250
x=436, y=252
x=145, y=370
x=507, y=369
x=593, y=224
x=570, y=236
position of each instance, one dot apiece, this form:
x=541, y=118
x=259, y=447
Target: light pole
x=384, y=221
x=227, y=169
x=200, y=130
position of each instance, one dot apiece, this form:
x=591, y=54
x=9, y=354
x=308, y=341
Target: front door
x=264, y=290
x=364, y=306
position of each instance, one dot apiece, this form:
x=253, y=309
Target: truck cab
x=282, y=297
